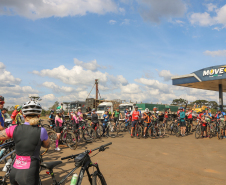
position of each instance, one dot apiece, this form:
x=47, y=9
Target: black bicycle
x=81, y=160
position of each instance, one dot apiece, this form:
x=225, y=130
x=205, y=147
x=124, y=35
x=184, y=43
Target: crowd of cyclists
x=29, y=137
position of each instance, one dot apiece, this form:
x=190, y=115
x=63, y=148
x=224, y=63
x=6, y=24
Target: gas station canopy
x=210, y=78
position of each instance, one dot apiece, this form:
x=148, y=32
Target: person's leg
x=133, y=125
x=104, y=126
x=145, y=128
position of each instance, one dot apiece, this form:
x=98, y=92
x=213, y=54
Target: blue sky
x=132, y=46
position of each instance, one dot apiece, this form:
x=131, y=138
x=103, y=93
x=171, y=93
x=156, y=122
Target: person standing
x=52, y=119
x=13, y=116
x=19, y=117
x=105, y=123
x=58, y=123
x=182, y=120
x=135, y=119
x=146, y=119
x=2, y=102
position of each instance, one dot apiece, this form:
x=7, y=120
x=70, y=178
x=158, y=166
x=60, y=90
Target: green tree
x=179, y=101
x=44, y=112
x=55, y=105
x=213, y=104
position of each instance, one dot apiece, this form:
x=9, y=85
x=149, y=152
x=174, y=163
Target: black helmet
x=135, y=107
x=2, y=98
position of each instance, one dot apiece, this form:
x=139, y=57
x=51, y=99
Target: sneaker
x=57, y=149
x=131, y=136
x=144, y=136
x=224, y=136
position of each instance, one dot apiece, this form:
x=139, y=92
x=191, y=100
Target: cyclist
x=80, y=114
x=190, y=118
x=1, y=115
x=115, y=116
x=165, y=120
x=128, y=118
x=94, y=119
x=4, y=111
x=135, y=118
x=58, y=122
x=19, y=117
x=208, y=117
x=105, y=123
x=221, y=116
x=182, y=120
x=146, y=119
x=203, y=125
x=155, y=118
x=13, y=116
x=52, y=119
x=28, y=139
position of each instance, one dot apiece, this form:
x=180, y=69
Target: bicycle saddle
x=50, y=165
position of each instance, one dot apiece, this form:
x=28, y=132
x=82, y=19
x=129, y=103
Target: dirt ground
x=131, y=161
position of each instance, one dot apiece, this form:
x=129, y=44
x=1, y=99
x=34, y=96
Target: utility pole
x=97, y=90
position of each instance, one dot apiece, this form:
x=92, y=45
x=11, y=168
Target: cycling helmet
x=52, y=111
x=146, y=110
x=181, y=108
x=16, y=106
x=19, y=108
x=1, y=98
x=135, y=107
x=155, y=108
x=32, y=108
x=218, y=109
x=79, y=108
x=93, y=110
x=59, y=111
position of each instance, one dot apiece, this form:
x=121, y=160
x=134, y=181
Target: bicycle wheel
x=52, y=137
x=112, y=130
x=198, y=132
x=138, y=132
x=98, y=179
x=123, y=127
x=99, y=131
x=161, y=132
x=89, y=134
x=154, y=133
x=46, y=126
x=118, y=128
x=71, y=141
x=219, y=133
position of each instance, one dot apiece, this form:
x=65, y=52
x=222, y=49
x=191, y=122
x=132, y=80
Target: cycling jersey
x=75, y=119
x=1, y=119
x=28, y=139
x=182, y=116
x=135, y=115
x=116, y=114
x=19, y=119
x=13, y=116
x=166, y=115
x=106, y=117
x=94, y=118
x=221, y=115
x=58, y=121
x=203, y=123
x=147, y=118
x=207, y=115
x=190, y=115
x=156, y=115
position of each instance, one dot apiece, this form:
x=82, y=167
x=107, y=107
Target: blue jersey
x=1, y=119
x=221, y=115
x=51, y=116
x=182, y=116
x=106, y=117
x=208, y=114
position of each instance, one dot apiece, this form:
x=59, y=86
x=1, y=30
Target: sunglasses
x=2, y=103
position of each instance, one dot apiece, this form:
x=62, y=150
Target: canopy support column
x=221, y=97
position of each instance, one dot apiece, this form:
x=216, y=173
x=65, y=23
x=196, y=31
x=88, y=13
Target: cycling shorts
x=26, y=177
x=146, y=124
x=59, y=129
x=182, y=124
x=203, y=128
x=134, y=123
x=116, y=119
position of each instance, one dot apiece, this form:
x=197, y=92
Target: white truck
x=101, y=108
x=122, y=108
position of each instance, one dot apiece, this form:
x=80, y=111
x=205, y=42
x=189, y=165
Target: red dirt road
x=134, y=161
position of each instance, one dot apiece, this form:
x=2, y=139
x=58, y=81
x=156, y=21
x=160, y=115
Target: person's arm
x=121, y=115
x=186, y=105
x=112, y=115
x=3, y=135
x=46, y=143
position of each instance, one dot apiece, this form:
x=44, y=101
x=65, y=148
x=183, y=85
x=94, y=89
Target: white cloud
x=154, y=11
x=221, y=53
x=6, y=79
x=131, y=89
x=92, y=65
x=211, y=7
x=125, y=22
x=112, y=21
x=217, y=28
x=205, y=19
x=58, y=89
x=166, y=74
x=35, y=9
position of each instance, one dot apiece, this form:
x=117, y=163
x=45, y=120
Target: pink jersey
x=76, y=119
x=59, y=120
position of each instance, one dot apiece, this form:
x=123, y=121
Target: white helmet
x=147, y=110
x=32, y=108
x=59, y=111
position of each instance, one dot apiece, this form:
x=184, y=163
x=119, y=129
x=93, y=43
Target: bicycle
x=153, y=131
x=81, y=160
x=198, y=131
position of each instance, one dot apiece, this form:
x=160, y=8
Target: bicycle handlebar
x=9, y=144
x=73, y=156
